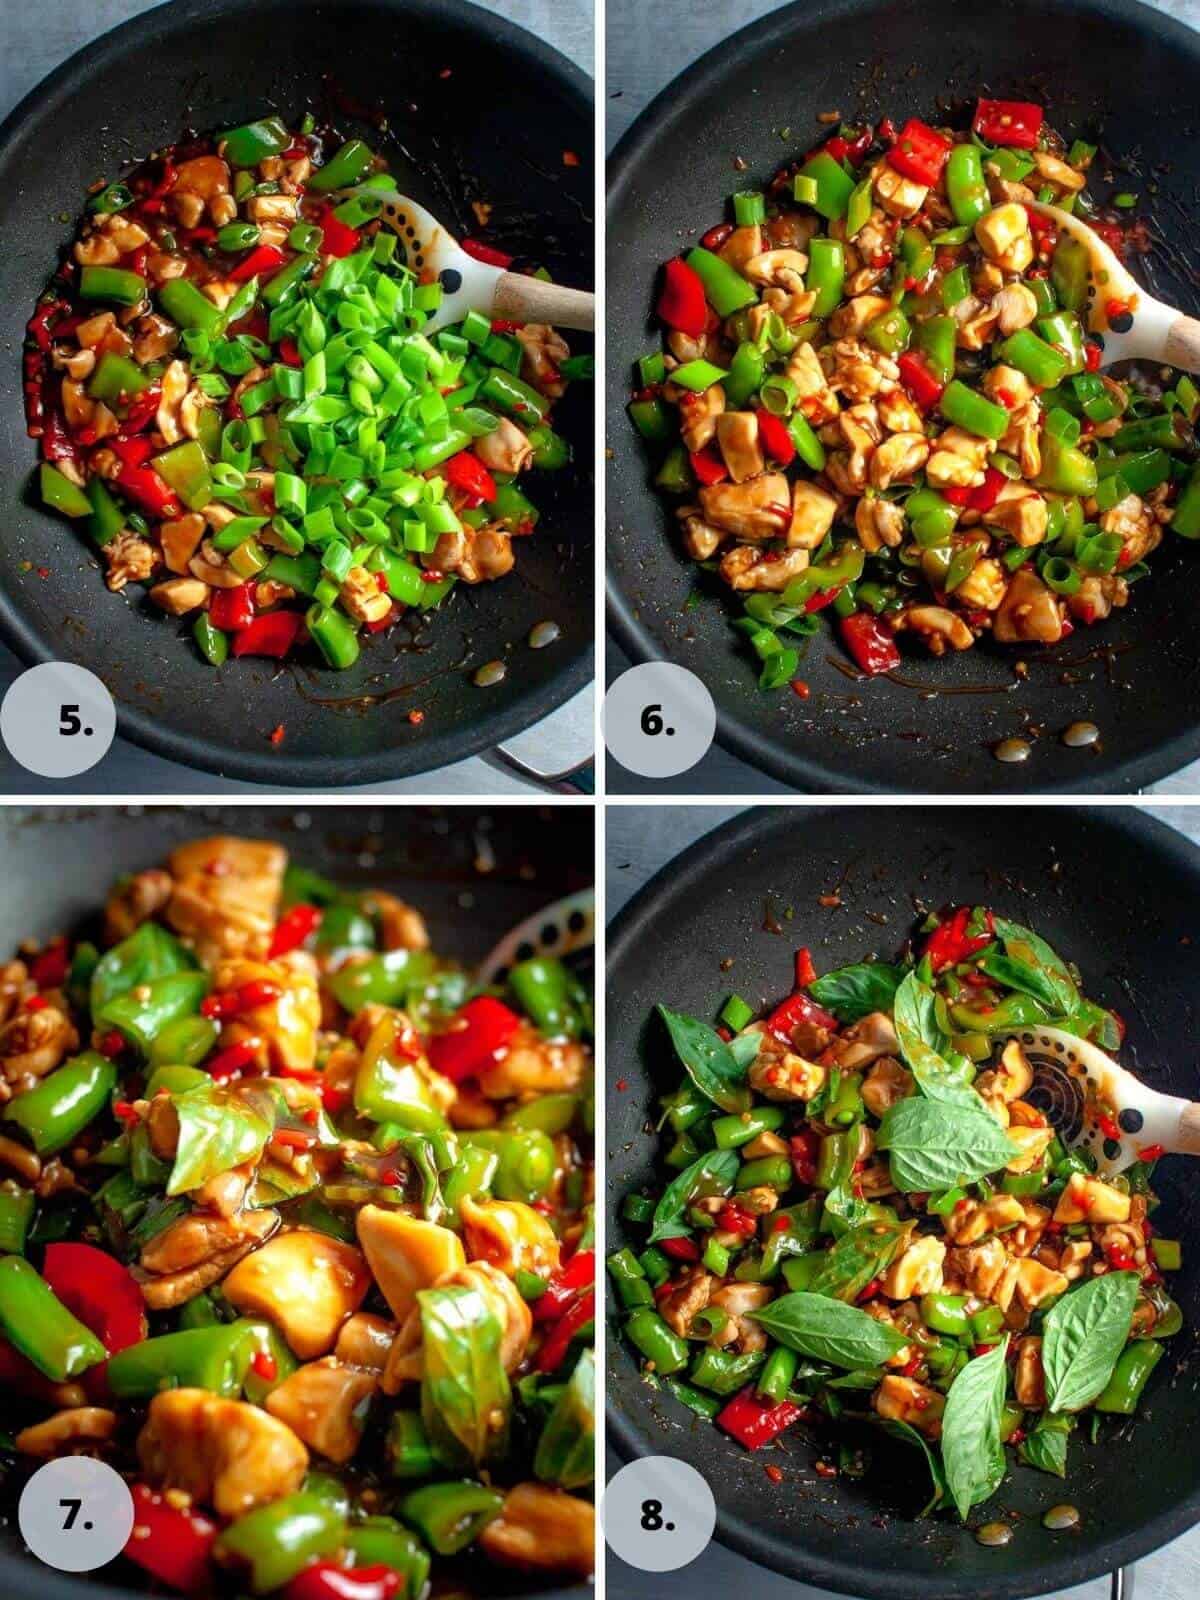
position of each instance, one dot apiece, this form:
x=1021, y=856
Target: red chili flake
x=1151, y=1152
x=724, y=1033
x=622, y=1085
x=825, y=1469
x=43, y=572
x=311, y=1116
x=1017, y=1436
x=416, y=718
x=277, y=733
x=445, y=72
x=124, y=1111
x=887, y=131
x=1121, y=1259
x=570, y=159
x=49, y=969
x=228, y=1062
x=1116, y=308
x=292, y=1138
x=392, y=1177
x=774, y=1473
x=910, y=1367
x=1055, y=1227
x=1108, y=1125
x=983, y=1349
x=1006, y=398
x=1091, y=356
x=871, y=1290
x=960, y=1205
x=36, y=1002
x=265, y=1366
x=800, y=689
x=334, y=1099
x=432, y=575
x=112, y=1045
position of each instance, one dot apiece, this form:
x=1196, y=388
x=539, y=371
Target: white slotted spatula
x=430, y=249
x=1073, y=1078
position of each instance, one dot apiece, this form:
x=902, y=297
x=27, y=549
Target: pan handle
x=1121, y=1584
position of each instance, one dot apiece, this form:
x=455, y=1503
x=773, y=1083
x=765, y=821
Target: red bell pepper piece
x=264, y=261
x=579, y=1273
x=553, y=1352
x=950, y=943
x=795, y=1009
x=1013, y=122
x=293, y=928
x=231, y=610
x=103, y=1294
x=923, y=388
x=271, y=635
x=487, y=253
x=806, y=973
x=49, y=969
x=150, y=492
x=227, y=1003
x=919, y=152
x=682, y=305
x=481, y=1030
x=733, y=1218
x=142, y=409
x=776, y=439
x=226, y=1063
x=325, y=1580
x=753, y=1421
x=868, y=641
x=466, y=472
x=336, y=238
x=708, y=466
x=173, y=1546
x=985, y=496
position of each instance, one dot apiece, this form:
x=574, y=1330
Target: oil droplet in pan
x=1013, y=750
x=542, y=634
x=1059, y=1518
x=491, y=672
x=993, y=1533
x=1080, y=734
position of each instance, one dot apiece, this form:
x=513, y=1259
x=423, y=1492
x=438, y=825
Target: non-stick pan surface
x=476, y=110
x=1104, y=67
x=1119, y=894
x=474, y=874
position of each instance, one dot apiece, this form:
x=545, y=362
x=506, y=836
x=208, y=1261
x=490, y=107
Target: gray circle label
x=76, y=1514
x=658, y=719
x=658, y=1514
x=57, y=720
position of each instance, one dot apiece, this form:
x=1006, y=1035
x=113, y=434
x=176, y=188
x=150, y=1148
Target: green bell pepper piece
x=107, y=518
x=180, y=300
x=382, y=1542
x=273, y=1543
x=16, y=1213
x=345, y=168
x=60, y=494
x=834, y=187
x=169, y=1000
x=1070, y=272
x=826, y=275
x=38, y=1325
x=115, y=376
x=450, y=1516
x=973, y=412
x=214, y=1358
x=112, y=283
x=255, y=141
x=966, y=187
x=64, y=1102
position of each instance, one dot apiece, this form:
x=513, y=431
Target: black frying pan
x=429, y=856
x=493, y=130
x=1108, y=67
x=1115, y=891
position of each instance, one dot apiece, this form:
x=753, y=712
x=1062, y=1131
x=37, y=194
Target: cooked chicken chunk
x=224, y=1453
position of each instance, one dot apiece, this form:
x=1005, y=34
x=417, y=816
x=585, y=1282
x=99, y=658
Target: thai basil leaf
x=710, y=1063
x=149, y=953
x=1083, y=1335
x=843, y=1210
x=865, y=1252
x=971, y=1429
x=1090, y=1021
x=218, y=1129
x=466, y=1401
x=1031, y=966
x=1046, y=1447
x=922, y=1043
x=713, y=1173
x=744, y=1048
x=277, y=1181
x=938, y=1144
x=852, y=993
x=566, y=1450
x=827, y=1330
x=909, y=1435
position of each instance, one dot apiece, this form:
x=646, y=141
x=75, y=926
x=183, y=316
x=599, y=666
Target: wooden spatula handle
x=1189, y=1117
x=1183, y=344
x=522, y=299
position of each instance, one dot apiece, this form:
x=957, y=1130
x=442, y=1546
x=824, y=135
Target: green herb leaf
x=218, y=1129
x=854, y=992
x=937, y=1144
x=744, y=1048
x=865, y=1252
x=713, y=1173
x=1046, y=1446
x=828, y=1330
x=909, y=1435
x=710, y=1063
x=1083, y=1335
x=1031, y=966
x=566, y=1449
x=971, y=1429
x=922, y=1043
x=466, y=1401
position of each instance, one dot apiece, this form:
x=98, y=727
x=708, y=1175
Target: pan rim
x=808, y=773
x=435, y=749
x=754, y=828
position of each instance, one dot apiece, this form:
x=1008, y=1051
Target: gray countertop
x=640, y=840
x=647, y=47
x=37, y=39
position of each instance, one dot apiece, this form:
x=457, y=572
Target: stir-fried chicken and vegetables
x=878, y=394
x=296, y=1223
x=234, y=396
x=870, y=1226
